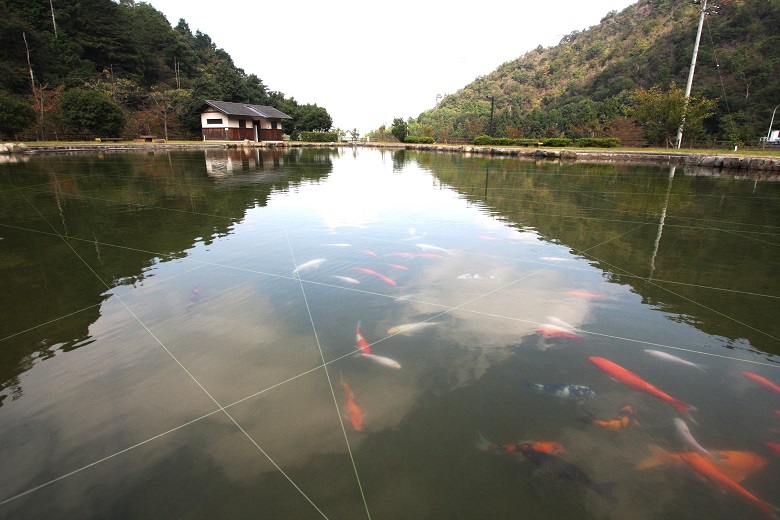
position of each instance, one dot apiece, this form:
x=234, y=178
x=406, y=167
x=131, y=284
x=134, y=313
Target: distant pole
x=693, y=67
x=771, y=122
x=490, y=128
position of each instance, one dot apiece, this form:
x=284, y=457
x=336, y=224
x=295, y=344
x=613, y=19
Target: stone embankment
x=702, y=162
x=714, y=162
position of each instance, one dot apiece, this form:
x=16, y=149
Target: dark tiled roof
x=243, y=109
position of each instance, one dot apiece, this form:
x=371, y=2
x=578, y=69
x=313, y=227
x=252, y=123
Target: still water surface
x=178, y=338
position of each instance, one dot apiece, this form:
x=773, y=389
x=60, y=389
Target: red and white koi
x=388, y=281
x=360, y=341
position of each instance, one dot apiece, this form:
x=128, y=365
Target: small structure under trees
x=226, y=121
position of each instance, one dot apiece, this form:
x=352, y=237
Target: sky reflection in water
x=180, y=338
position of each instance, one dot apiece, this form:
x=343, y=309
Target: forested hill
x=84, y=52
x=587, y=85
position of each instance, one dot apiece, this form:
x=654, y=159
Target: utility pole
x=704, y=12
x=490, y=128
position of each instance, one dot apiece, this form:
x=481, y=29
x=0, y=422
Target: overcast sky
x=367, y=63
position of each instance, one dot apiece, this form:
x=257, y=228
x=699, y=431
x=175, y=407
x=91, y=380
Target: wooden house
x=225, y=121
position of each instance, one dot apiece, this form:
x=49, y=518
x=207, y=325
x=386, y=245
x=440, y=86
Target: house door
x=256, y=126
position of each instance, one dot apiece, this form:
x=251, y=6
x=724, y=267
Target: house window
x=273, y=125
x=241, y=123
x=213, y=121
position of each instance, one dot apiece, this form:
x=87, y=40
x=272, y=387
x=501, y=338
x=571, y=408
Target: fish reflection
x=737, y=465
x=624, y=418
x=636, y=383
x=559, y=468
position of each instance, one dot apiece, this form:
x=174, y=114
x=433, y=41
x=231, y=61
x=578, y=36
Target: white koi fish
x=381, y=360
x=311, y=264
x=670, y=357
x=346, y=279
x=428, y=247
x=687, y=438
x=555, y=259
x=408, y=328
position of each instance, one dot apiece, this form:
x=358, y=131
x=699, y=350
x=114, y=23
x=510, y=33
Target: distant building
x=225, y=121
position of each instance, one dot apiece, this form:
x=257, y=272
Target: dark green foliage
x=131, y=42
x=576, y=87
x=318, y=137
x=15, y=116
x=483, y=140
x=87, y=110
x=556, y=141
x=419, y=139
x=399, y=129
x=597, y=142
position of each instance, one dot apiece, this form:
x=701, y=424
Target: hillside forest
x=99, y=68
x=625, y=78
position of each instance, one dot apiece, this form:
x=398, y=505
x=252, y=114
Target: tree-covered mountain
x=126, y=54
x=587, y=85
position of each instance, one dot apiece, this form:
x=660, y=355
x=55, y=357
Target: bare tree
x=37, y=90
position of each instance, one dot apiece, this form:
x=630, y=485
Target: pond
x=358, y=333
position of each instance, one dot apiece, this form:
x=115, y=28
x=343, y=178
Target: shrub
x=597, y=142
x=503, y=141
x=556, y=141
x=15, y=116
x=421, y=139
x=525, y=142
x=319, y=137
x=91, y=111
x=483, y=140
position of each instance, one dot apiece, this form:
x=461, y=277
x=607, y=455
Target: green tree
x=15, y=116
x=400, y=129
x=660, y=113
x=90, y=111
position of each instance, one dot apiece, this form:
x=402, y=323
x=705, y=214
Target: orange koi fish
x=388, y=281
x=586, y=295
x=774, y=447
x=369, y=253
x=766, y=383
x=705, y=469
x=361, y=342
x=636, y=383
x=737, y=465
x=623, y=419
x=396, y=266
x=402, y=255
x=354, y=413
x=549, y=447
